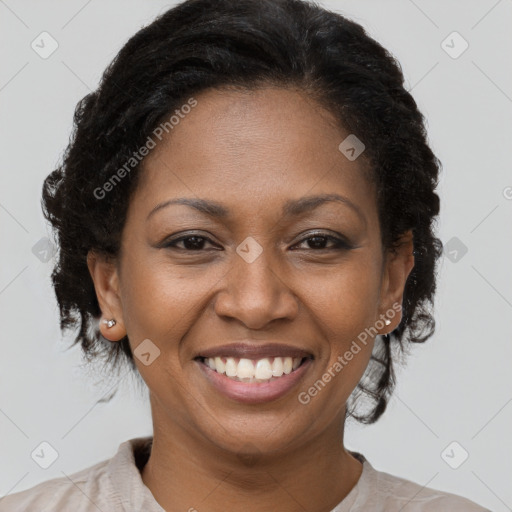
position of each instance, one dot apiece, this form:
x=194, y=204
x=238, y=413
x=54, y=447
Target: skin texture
x=251, y=152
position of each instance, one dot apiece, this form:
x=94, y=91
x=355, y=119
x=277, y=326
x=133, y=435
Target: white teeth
x=231, y=367
x=247, y=370
x=263, y=369
x=277, y=367
x=219, y=365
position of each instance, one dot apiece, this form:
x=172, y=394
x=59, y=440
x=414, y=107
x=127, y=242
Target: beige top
x=115, y=485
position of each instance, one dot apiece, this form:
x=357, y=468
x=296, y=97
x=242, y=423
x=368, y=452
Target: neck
x=185, y=472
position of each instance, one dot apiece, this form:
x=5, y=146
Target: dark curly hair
x=245, y=44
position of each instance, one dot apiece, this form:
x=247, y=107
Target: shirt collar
x=127, y=480
x=136, y=497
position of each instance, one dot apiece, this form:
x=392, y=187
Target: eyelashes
x=198, y=240
x=317, y=242
x=339, y=243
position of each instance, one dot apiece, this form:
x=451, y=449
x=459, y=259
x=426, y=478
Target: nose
x=256, y=293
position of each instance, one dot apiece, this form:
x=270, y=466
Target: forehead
x=258, y=145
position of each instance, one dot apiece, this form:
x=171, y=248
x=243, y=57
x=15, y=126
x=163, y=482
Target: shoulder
x=84, y=488
x=420, y=498
x=379, y=490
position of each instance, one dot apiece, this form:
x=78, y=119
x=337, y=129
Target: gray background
x=456, y=387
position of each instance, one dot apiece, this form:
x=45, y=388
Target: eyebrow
x=292, y=207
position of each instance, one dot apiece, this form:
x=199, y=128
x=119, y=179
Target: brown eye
x=190, y=243
x=320, y=241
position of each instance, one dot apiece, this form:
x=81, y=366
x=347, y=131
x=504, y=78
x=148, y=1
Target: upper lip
x=254, y=351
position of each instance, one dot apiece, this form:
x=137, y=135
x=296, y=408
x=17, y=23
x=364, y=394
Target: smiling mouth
x=266, y=369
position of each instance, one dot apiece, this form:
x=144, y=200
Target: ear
x=105, y=276
x=398, y=264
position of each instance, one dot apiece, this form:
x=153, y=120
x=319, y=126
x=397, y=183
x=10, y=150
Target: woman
x=245, y=217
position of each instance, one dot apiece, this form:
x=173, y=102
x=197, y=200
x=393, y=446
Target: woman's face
x=282, y=265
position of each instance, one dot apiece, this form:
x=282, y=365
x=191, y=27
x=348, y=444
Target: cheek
x=161, y=306
x=157, y=304
x=345, y=307
x=346, y=298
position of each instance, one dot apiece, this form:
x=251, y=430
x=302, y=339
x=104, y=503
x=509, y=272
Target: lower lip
x=257, y=392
